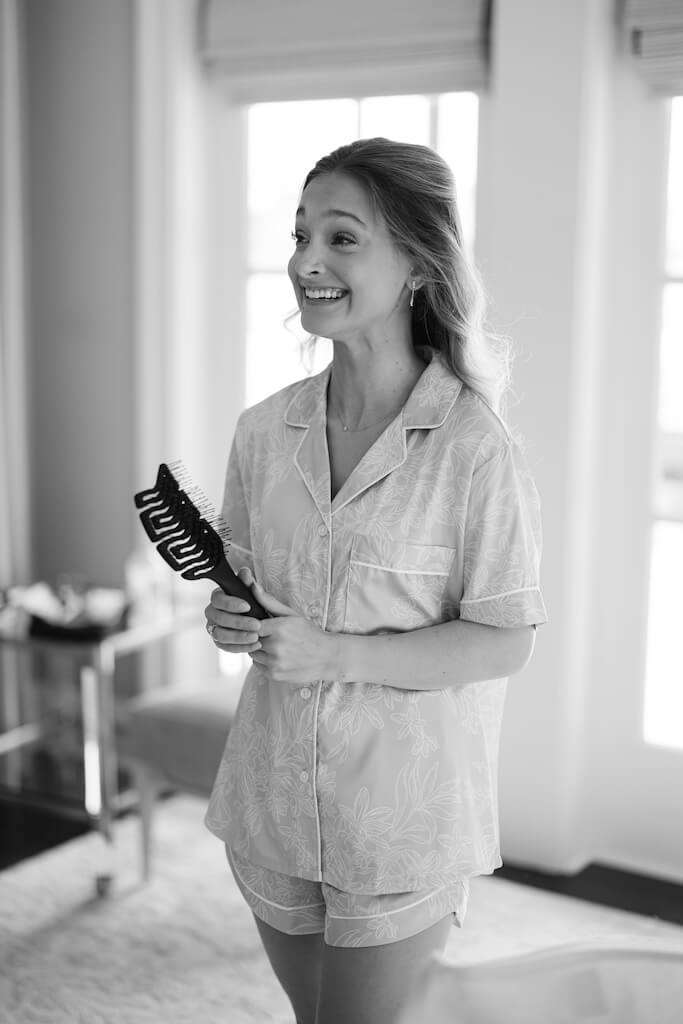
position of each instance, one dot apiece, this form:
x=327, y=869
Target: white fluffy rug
x=183, y=949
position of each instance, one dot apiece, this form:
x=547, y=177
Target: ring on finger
x=211, y=628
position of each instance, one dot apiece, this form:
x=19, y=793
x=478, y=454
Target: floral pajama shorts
x=298, y=906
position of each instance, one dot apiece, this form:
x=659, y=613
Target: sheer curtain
x=14, y=470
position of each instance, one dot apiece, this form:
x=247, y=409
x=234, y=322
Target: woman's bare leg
x=296, y=962
x=371, y=984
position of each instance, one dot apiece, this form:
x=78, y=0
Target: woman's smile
x=323, y=296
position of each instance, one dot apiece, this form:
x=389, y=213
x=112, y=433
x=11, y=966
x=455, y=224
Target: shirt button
x=304, y=776
x=305, y=692
x=322, y=531
x=314, y=609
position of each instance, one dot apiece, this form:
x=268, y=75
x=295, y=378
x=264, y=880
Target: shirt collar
x=427, y=406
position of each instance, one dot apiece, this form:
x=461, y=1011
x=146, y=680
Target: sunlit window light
x=663, y=701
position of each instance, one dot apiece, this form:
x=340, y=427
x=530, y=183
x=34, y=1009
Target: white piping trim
x=247, y=551
x=318, y=828
x=385, y=913
x=271, y=903
x=494, y=597
x=405, y=572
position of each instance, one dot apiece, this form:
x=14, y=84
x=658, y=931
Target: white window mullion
x=433, y=121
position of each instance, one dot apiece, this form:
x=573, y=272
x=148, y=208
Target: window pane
x=663, y=718
x=671, y=360
x=663, y=707
x=457, y=143
x=274, y=348
x=285, y=140
x=675, y=197
x=401, y=118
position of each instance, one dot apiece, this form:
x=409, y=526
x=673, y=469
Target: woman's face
x=349, y=278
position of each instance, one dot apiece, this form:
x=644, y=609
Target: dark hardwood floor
x=610, y=887
x=27, y=831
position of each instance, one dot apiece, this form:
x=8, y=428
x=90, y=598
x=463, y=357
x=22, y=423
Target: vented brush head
x=173, y=496
x=190, y=536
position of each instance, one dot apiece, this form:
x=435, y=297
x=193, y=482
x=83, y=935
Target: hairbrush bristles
x=190, y=536
x=199, y=500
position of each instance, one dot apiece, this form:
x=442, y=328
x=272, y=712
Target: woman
x=393, y=529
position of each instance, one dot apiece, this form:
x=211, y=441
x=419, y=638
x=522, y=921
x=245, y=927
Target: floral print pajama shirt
x=371, y=788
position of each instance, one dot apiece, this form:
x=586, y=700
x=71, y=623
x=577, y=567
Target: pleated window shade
x=298, y=49
x=655, y=32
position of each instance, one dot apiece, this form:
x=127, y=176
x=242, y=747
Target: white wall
x=569, y=238
x=80, y=287
x=189, y=365
x=184, y=174
x=537, y=155
x=127, y=169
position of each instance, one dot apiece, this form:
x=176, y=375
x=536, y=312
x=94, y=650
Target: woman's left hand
x=293, y=650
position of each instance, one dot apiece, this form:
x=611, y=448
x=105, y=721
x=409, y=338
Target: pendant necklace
x=369, y=426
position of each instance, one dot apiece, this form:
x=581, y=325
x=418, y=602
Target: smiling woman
x=387, y=522
x=277, y=353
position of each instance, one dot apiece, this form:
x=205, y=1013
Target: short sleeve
x=235, y=510
x=502, y=548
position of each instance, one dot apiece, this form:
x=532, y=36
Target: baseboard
x=608, y=886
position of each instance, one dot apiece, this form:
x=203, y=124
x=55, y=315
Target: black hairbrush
x=188, y=533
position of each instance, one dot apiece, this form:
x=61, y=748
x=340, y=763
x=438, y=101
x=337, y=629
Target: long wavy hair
x=412, y=188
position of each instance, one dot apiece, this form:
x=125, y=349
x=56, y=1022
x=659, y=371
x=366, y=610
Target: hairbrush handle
x=231, y=584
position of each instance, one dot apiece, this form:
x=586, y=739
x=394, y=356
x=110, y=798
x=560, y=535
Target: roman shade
x=655, y=35
x=270, y=49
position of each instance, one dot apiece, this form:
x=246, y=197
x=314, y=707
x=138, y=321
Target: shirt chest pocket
x=395, y=586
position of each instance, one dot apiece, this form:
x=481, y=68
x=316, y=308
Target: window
x=280, y=154
x=663, y=712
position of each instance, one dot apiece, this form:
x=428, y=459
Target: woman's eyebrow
x=333, y=213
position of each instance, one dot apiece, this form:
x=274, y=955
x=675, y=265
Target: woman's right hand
x=230, y=629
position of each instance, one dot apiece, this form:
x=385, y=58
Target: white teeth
x=323, y=293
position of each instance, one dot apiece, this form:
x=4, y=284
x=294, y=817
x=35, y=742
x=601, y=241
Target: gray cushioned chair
x=173, y=740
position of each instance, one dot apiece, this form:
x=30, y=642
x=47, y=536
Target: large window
x=284, y=141
x=663, y=718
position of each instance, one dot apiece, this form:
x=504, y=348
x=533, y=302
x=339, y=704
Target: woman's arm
x=448, y=655
x=293, y=650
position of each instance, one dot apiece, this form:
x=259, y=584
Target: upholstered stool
x=174, y=739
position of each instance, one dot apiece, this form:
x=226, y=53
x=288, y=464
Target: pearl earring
x=412, y=294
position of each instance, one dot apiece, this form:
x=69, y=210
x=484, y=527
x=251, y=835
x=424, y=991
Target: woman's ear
x=415, y=280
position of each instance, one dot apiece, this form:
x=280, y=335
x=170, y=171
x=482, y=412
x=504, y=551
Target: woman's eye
x=341, y=238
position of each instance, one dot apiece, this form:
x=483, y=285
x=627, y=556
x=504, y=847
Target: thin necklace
x=368, y=426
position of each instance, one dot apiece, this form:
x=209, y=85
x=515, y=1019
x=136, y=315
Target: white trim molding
x=15, y=518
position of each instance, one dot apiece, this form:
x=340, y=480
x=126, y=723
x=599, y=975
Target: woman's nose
x=309, y=261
